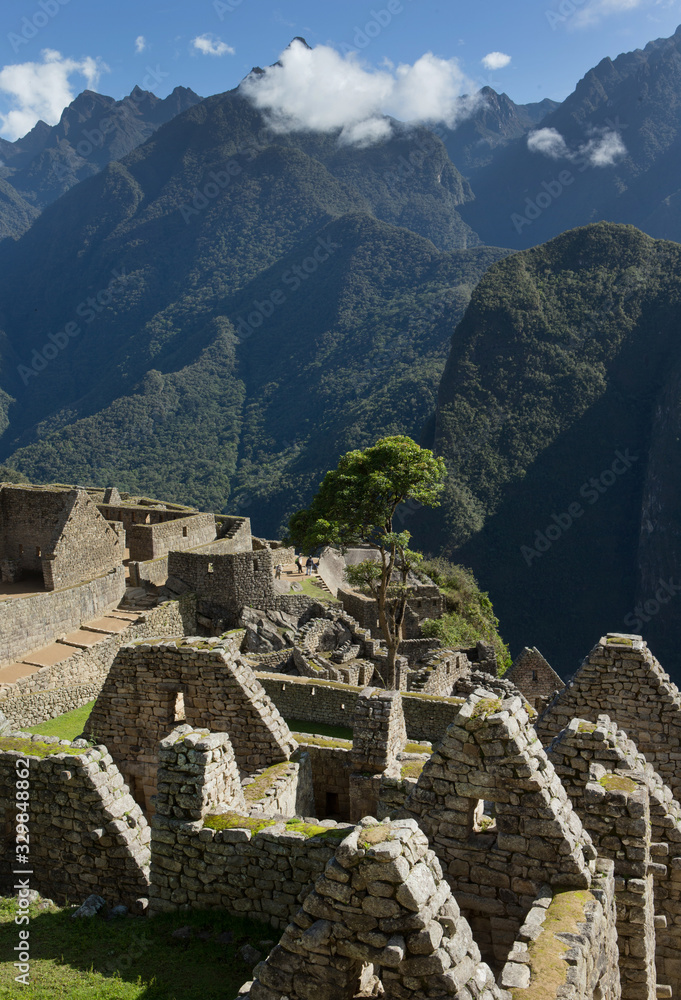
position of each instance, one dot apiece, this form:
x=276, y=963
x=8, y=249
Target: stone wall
x=51, y=691
x=426, y=602
x=264, y=876
x=150, y=541
x=153, y=686
x=633, y=819
x=225, y=583
x=575, y=934
x=622, y=679
x=86, y=832
x=330, y=761
x=496, y=862
x=382, y=902
x=37, y=620
x=54, y=532
x=534, y=677
x=155, y=571
x=426, y=717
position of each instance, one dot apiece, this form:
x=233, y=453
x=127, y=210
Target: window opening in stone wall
x=185, y=532
x=21, y=550
x=210, y=568
x=332, y=805
x=255, y=565
x=178, y=711
x=533, y=675
x=37, y=550
x=482, y=816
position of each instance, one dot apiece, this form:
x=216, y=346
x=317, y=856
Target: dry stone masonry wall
x=87, y=834
x=497, y=862
x=153, y=686
x=381, y=901
x=622, y=678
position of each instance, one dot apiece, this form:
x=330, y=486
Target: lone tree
x=356, y=505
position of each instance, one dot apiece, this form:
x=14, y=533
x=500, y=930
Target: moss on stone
x=374, y=835
x=485, y=707
x=432, y=697
x=322, y=741
x=586, y=727
x=234, y=821
x=263, y=781
x=617, y=783
x=312, y=829
x=412, y=769
x=619, y=641
x=548, y=968
x=37, y=748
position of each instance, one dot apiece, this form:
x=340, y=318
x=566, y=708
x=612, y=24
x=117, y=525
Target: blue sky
x=50, y=50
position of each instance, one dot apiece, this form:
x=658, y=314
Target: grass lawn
x=312, y=590
x=319, y=729
x=67, y=726
x=129, y=959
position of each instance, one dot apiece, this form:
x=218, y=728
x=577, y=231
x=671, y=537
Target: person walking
x=277, y=571
x=310, y=565
x=299, y=565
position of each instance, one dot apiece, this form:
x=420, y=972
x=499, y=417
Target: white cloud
x=320, y=90
x=211, y=45
x=140, y=44
x=603, y=149
x=43, y=89
x=495, y=60
x=597, y=10
x=548, y=141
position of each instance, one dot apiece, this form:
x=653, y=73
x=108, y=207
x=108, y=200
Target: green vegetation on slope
x=469, y=616
x=561, y=393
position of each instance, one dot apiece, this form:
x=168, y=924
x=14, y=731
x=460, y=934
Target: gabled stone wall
x=154, y=686
x=497, y=862
x=534, y=677
x=622, y=679
x=86, y=832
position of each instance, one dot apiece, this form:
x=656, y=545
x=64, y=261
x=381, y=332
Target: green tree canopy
x=356, y=505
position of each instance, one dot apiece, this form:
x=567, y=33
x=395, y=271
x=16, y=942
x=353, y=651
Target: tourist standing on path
x=277, y=571
x=310, y=565
x=299, y=565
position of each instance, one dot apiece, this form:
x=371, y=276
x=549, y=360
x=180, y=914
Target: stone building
x=534, y=677
x=154, y=685
x=55, y=537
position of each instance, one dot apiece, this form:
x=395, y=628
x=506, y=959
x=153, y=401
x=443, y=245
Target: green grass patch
x=234, y=821
x=412, y=769
x=313, y=590
x=548, y=967
x=313, y=830
x=67, y=726
x=324, y=741
x=319, y=729
x=129, y=959
x=34, y=748
x=416, y=748
x=263, y=781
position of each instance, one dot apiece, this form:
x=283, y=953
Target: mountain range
x=212, y=311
